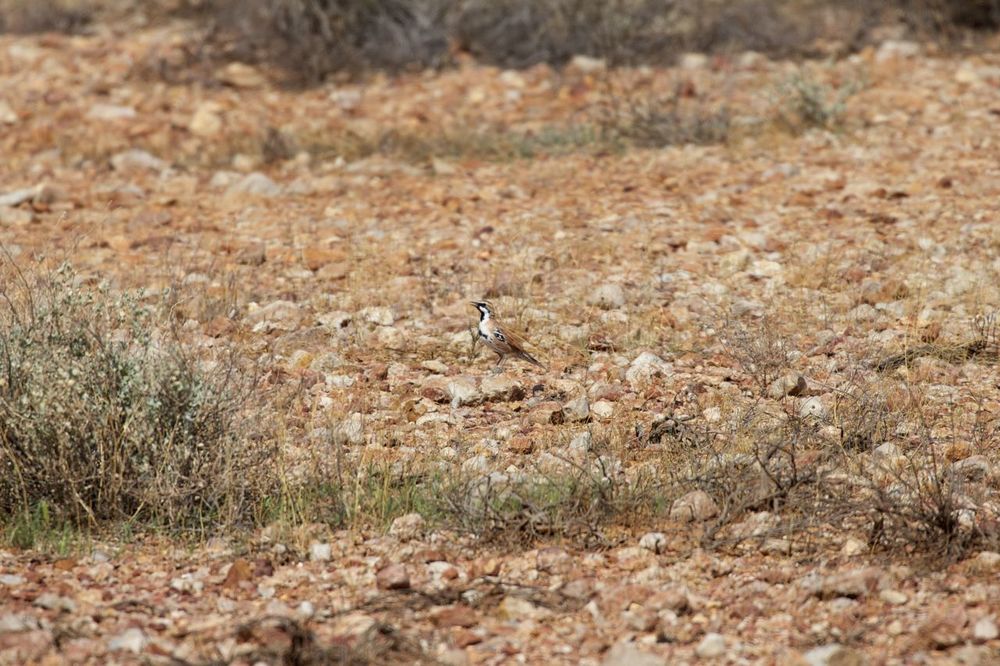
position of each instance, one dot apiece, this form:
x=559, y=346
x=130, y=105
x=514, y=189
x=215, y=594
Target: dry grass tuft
x=31, y=16
x=107, y=417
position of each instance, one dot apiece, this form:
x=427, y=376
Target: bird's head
x=484, y=307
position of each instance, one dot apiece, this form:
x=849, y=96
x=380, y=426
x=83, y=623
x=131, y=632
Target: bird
x=500, y=337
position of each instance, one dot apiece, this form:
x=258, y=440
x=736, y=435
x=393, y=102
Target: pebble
x=602, y=409
x=137, y=160
x=276, y=315
x=629, y=654
x=833, y=654
x=653, y=541
x=393, y=577
x=587, y=64
x=791, y=384
x=608, y=296
x=973, y=468
x=320, y=552
x=351, y=430
x=711, y=646
x=435, y=366
x=812, y=407
x=645, y=366
x=520, y=444
x=576, y=410
x=18, y=197
x=501, y=389
x=254, y=184
x=851, y=583
x=131, y=640
x=305, y=610
x=52, y=601
x=379, y=315
x=696, y=506
x=110, y=112
x=409, y=526
x=241, y=75
x=986, y=561
x=206, y=122
x=7, y=114
x=17, y=622
x=893, y=597
x=463, y=391
x=518, y=609
x=985, y=629
x=892, y=49
x=458, y=615
x=853, y=547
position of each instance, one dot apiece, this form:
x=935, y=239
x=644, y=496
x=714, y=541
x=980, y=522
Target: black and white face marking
x=484, y=310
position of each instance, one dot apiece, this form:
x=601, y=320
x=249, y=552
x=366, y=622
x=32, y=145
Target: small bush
x=655, y=121
x=758, y=348
x=105, y=416
x=802, y=102
x=313, y=38
x=522, y=33
x=590, y=502
x=30, y=16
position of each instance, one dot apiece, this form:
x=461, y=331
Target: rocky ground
x=739, y=287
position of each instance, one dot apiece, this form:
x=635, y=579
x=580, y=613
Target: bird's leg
x=498, y=368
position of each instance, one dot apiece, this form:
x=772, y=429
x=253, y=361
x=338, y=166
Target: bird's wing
x=513, y=337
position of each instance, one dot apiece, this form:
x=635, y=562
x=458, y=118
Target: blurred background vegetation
x=314, y=39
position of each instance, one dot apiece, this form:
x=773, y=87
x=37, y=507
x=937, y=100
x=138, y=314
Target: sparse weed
x=803, y=102
x=655, y=121
x=107, y=417
x=36, y=528
x=30, y=16
x=758, y=347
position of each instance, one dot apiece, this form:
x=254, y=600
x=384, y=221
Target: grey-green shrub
x=105, y=415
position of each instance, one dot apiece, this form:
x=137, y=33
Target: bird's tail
x=531, y=359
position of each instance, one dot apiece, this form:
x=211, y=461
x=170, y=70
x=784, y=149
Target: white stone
x=206, y=122
x=18, y=197
x=379, y=315
x=577, y=409
x=653, y=541
x=812, y=407
x=7, y=115
x=629, y=654
x=646, y=366
x=137, y=160
x=893, y=597
x=409, y=526
x=254, y=184
x=697, y=505
x=893, y=49
x=280, y=315
x=351, y=430
x=985, y=629
x=131, y=640
x=823, y=655
x=608, y=296
x=110, y=112
x=693, y=61
x=587, y=64
x=711, y=646
x=435, y=366
x=305, y=610
x=603, y=409
x=320, y=552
